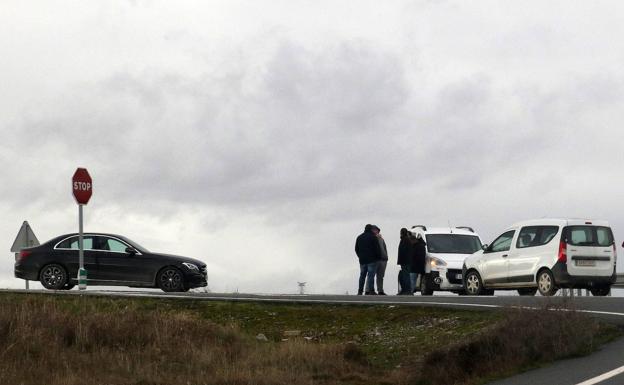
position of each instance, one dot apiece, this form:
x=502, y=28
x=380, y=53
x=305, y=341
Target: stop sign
x=82, y=186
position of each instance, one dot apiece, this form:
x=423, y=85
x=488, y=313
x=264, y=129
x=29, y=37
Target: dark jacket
x=404, y=252
x=419, y=255
x=367, y=248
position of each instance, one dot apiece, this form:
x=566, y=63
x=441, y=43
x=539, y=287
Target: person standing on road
x=404, y=260
x=368, y=252
x=383, y=260
x=419, y=256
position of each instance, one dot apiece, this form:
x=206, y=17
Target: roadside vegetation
x=70, y=340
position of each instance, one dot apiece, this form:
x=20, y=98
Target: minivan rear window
x=589, y=236
x=453, y=243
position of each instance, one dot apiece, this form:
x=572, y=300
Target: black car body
x=110, y=260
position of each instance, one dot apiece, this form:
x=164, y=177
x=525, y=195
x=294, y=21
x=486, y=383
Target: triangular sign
x=25, y=238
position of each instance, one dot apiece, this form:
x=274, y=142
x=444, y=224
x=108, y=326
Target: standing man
x=405, y=260
x=367, y=250
x=419, y=257
x=383, y=260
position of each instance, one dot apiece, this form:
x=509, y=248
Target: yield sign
x=25, y=238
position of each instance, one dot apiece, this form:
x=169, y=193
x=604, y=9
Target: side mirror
x=622, y=244
x=485, y=246
x=131, y=250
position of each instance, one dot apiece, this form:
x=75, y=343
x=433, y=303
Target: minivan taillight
x=614, y=253
x=563, y=256
x=24, y=254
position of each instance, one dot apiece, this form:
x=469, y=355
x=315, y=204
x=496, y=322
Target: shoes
x=359, y=293
x=370, y=293
x=381, y=293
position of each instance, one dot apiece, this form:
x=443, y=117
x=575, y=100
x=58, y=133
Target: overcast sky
x=261, y=136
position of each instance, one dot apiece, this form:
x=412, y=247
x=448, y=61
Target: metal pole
x=82, y=274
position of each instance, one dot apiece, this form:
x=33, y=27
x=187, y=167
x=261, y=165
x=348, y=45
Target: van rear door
x=589, y=250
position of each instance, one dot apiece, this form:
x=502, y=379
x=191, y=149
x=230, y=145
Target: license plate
x=585, y=263
x=458, y=276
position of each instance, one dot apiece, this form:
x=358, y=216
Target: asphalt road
x=607, y=308
x=577, y=371
x=580, y=371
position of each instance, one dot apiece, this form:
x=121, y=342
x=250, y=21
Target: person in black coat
x=368, y=252
x=404, y=260
x=419, y=256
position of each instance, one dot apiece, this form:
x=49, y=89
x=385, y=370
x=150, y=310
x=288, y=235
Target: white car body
x=443, y=265
x=578, y=253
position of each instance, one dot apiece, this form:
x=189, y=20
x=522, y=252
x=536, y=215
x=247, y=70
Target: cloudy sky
x=260, y=136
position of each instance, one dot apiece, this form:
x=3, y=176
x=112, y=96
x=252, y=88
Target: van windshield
x=589, y=236
x=453, y=243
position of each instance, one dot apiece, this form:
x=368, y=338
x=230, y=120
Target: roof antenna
x=450, y=228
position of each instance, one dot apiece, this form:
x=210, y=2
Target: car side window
x=531, y=236
x=502, y=243
x=72, y=243
x=116, y=246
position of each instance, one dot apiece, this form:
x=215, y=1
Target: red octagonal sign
x=82, y=186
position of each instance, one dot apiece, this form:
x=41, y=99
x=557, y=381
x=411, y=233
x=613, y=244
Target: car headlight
x=190, y=266
x=436, y=262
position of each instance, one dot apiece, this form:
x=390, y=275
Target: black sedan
x=110, y=260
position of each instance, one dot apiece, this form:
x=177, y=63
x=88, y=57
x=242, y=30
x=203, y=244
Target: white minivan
x=447, y=247
x=545, y=255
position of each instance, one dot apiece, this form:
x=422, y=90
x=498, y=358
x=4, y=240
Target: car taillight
x=614, y=253
x=24, y=254
x=563, y=256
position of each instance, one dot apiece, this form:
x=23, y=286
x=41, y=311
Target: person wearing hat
x=383, y=260
x=368, y=253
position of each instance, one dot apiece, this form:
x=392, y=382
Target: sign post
x=82, y=188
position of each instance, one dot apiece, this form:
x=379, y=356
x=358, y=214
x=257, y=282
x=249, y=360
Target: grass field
x=99, y=340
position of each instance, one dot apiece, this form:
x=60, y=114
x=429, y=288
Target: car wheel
x=170, y=279
x=527, y=291
x=53, y=276
x=473, y=284
x=546, y=283
x=425, y=286
x=600, y=291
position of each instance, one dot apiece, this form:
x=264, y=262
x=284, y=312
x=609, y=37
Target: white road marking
x=603, y=377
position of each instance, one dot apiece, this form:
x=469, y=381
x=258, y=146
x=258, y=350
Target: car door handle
x=505, y=255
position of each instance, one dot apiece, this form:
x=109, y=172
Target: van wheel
x=546, y=283
x=600, y=291
x=527, y=292
x=473, y=284
x=425, y=285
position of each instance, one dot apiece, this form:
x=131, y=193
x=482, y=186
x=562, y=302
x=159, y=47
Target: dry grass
x=42, y=342
x=102, y=341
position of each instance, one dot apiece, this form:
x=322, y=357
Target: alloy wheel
x=53, y=277
x=171, y=280
x=473, y=285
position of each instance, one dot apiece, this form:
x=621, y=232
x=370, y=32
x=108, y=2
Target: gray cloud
x=275, y=150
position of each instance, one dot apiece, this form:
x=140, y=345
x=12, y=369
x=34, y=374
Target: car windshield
x=453, y=243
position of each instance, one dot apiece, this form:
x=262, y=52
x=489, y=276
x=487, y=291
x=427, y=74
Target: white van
x=447, y=247
x=545, y=255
